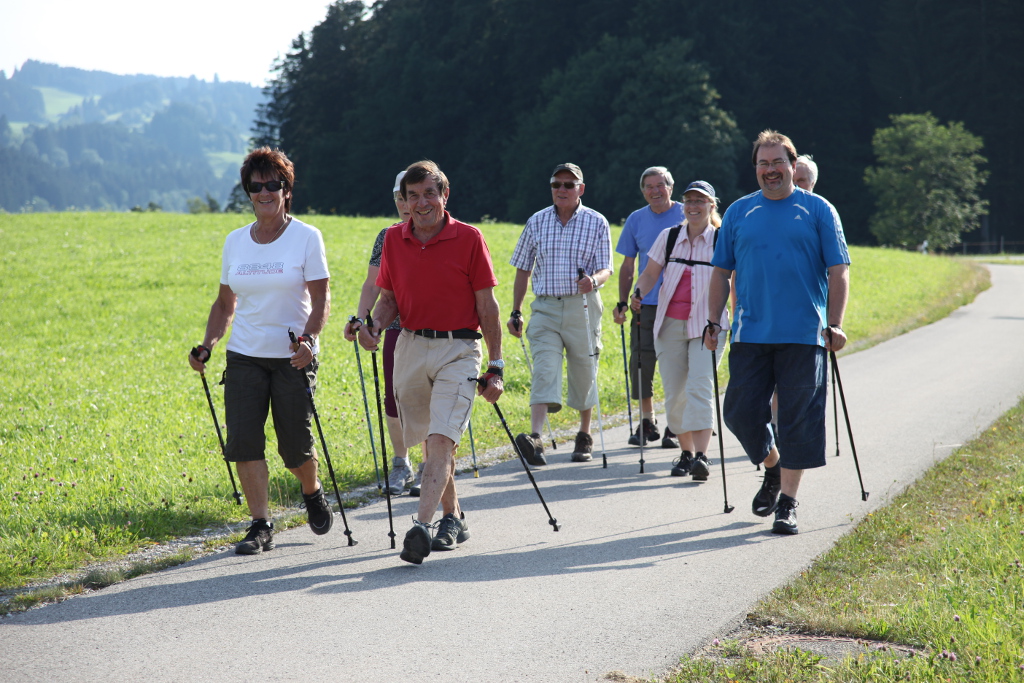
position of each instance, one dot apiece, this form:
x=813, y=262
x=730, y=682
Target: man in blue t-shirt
x=638, y=234
x=789, y=254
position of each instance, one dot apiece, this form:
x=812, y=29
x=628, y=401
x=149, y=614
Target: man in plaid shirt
x=555, y=244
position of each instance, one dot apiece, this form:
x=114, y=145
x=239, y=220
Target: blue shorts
x=799, y=372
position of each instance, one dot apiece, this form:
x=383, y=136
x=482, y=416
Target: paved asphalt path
x=647, y=567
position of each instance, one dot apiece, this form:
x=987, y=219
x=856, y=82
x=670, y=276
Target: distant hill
x=130, y=140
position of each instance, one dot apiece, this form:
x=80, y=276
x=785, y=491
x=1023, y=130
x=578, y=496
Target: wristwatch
x=497, y=363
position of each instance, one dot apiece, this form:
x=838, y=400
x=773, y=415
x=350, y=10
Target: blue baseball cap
x=702, y=187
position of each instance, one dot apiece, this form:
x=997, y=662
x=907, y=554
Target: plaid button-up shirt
x=555, y=252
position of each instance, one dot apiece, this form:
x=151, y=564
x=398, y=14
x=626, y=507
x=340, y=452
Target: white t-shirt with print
x=269, y=281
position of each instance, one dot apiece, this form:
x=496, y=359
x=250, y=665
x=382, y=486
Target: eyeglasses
x=778, y=163
x=568, y=184
x=695, y=201
x=271, y=185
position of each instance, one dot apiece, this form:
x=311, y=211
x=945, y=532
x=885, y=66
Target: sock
x=401, y=461
x=775, y=471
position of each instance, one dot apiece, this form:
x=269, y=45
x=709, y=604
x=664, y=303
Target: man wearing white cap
x=401, y=468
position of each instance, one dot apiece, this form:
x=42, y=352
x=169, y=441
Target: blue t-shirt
x=638, y=234
x=781, y=251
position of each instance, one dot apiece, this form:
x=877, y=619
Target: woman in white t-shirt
x=685, y=365
x=274, y=278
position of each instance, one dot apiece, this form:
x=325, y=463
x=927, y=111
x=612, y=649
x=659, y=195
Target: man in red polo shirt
x=436, y=274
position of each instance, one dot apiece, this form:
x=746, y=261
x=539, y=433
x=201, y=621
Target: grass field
x=107, y=445
x=58, y=101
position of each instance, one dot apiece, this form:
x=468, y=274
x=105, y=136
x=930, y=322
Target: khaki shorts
x=556, y=327
x=432, y=386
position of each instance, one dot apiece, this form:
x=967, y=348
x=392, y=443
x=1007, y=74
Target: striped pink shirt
x=701, y=249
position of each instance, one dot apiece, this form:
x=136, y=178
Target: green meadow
x=107, y=444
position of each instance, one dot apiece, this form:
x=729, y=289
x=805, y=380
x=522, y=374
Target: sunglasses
x=568, y=184
x=271, y=185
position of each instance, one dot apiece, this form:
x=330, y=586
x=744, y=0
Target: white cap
x=398, y=182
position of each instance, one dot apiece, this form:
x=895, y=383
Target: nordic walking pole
x=625, y=367
x=472, y=446
x=593, y=360
x=718, y=412
x=518, y=322
x=551, y=520
x=216, y=424
x=323, y=444
x=383, y=446
x=835, y=408
x=357, y=324
x=639, y=388
x=849, y=430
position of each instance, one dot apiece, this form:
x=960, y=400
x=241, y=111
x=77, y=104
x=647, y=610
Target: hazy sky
x=238, y=41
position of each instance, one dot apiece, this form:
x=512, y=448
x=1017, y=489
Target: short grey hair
x=657, y=170
x=812, y=168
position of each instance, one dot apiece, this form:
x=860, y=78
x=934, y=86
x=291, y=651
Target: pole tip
x=864, y=495
x=476, y=475
x=554, y=524
x=728, y=508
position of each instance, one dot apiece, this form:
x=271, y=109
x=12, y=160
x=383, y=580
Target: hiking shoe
x=651, y=433
x=318, y=511
x=785, y=516
x=700, y=469
x=260, y=537
x=399, y=477
x=451, y=531
x=667, y=441
x=532, y=448
x=414, y=490
x=416, y=545
x=768, y=497
x=681, y=467
x=584, y=448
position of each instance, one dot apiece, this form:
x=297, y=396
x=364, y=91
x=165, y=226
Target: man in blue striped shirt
x=555, y=244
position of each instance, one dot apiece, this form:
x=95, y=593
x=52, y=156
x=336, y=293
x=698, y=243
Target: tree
x=926, y=182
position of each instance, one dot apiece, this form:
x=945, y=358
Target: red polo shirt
x=435, y=284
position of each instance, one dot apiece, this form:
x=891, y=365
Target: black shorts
x=255, y=386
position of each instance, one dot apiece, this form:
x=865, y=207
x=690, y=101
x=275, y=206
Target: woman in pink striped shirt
x=685, y=364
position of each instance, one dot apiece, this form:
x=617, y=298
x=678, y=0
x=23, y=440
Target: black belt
x=464, y=333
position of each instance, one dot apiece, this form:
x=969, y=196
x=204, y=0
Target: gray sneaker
x=451, y=531
x=399, y=477
x=414, y=490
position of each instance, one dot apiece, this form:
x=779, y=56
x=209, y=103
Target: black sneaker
x=260, y=537
x=667, y=441
x=700, y=469
x=681, y=467
x=451, y=531
x=584, y=448
x=532, y=448
x=318, y=511
x=651, y=432
x=416, y=545
x=785, y=516
x=768, y=497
